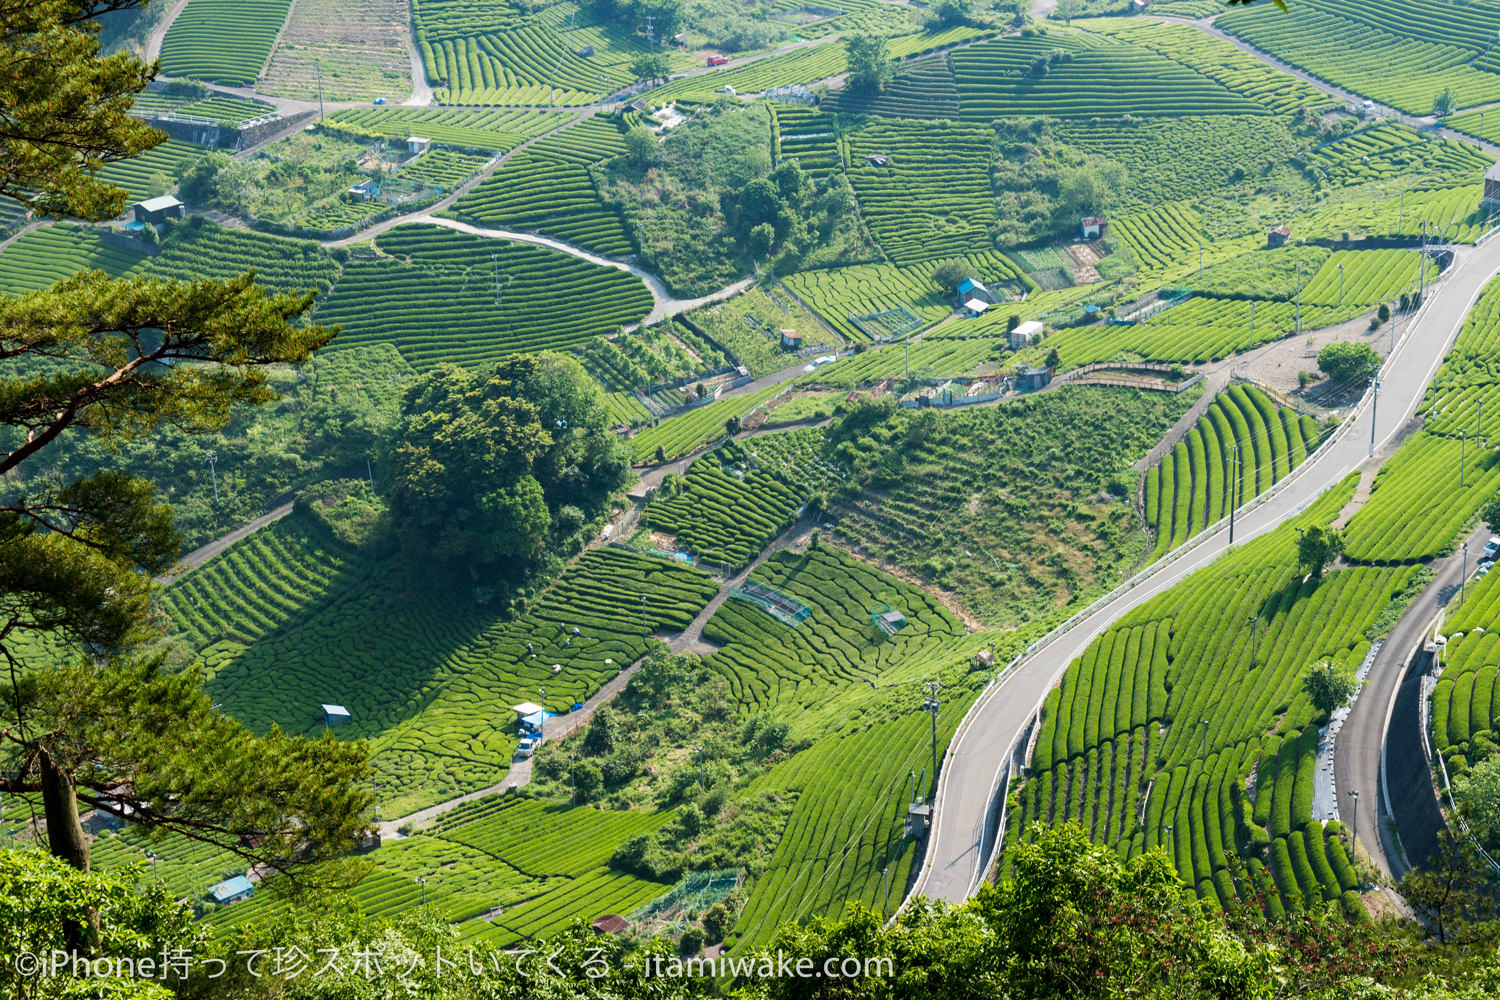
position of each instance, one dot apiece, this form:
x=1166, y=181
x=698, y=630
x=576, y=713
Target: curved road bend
x=1002, y=714
x=1363, y=739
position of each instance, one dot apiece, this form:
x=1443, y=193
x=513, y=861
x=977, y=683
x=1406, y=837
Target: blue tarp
x=535, y=720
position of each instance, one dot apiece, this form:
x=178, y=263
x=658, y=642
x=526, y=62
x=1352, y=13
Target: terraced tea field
x=1093, y=76
x=547, y=189
x=49, y=254
x=500, y=54
x=935, y=358
x=1197, y=482
x=739, y=497
x=1391, y=150
x=677, y=436
x=287, y=620
x=1132, y=751
x=1219, y=60
x=485, y=130
x=434, y=295
x=1465, y=704
x=154, y=171
x=223, y=41
x=205, y=248
x=933, y=198
x=488, y=872
x=1404, y=57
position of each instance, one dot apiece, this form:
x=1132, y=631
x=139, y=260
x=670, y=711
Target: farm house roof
x=526, y=708
x=976, y=305
x=231, y=887
x=336, y=710
x=160, y=204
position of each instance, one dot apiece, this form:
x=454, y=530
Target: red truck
x=718, y=60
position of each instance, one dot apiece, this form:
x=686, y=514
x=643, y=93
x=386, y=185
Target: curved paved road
x=1358, y=754
x=953, y=867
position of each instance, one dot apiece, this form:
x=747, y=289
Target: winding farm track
x=954, y=866
x=1422, y=124
x=153, y=41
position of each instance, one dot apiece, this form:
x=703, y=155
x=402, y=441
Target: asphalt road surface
x=953, y=868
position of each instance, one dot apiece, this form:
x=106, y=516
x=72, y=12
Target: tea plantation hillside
x=825, y=469
x=288, y=620
x=440, y=295
x=1159, y=724
x=1241, y=447
x=1189, y=715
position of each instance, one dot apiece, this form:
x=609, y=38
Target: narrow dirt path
x=1420, y=122
x=448, y=200
x=691, y=638
x=519, y=774
x=421, y=90
x=204, y=553
x=666, y=304
x=1213, y=384
x=153, y=41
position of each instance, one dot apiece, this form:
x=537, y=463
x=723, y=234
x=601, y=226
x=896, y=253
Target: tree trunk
x=65, y=840
x=65, y=836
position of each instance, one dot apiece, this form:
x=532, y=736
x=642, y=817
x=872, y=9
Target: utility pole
x=320, y=93
x=1299, y=297
x=370, y=471
x=541, y=729
x=1463, y=582
x=152, y=856
x=1354, y=842
x=1254, y=628
x=885, y=892
x=495, y=265
x=1170, y=853
x=423, y=881
x=1234, y=487
x=1374, y=402
x=932, y=704
x=1204, y=748
x=212, y=458
x=1341, y=284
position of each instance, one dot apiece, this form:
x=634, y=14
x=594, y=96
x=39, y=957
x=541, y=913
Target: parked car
x=526, y=747
x=718, y=60
x=380, y=100
x=1492, y=549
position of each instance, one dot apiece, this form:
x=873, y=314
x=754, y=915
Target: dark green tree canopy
x=115, y=359
x=1317, y=548
x=1349, y=362
x=484, y=461
x=870, y=64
